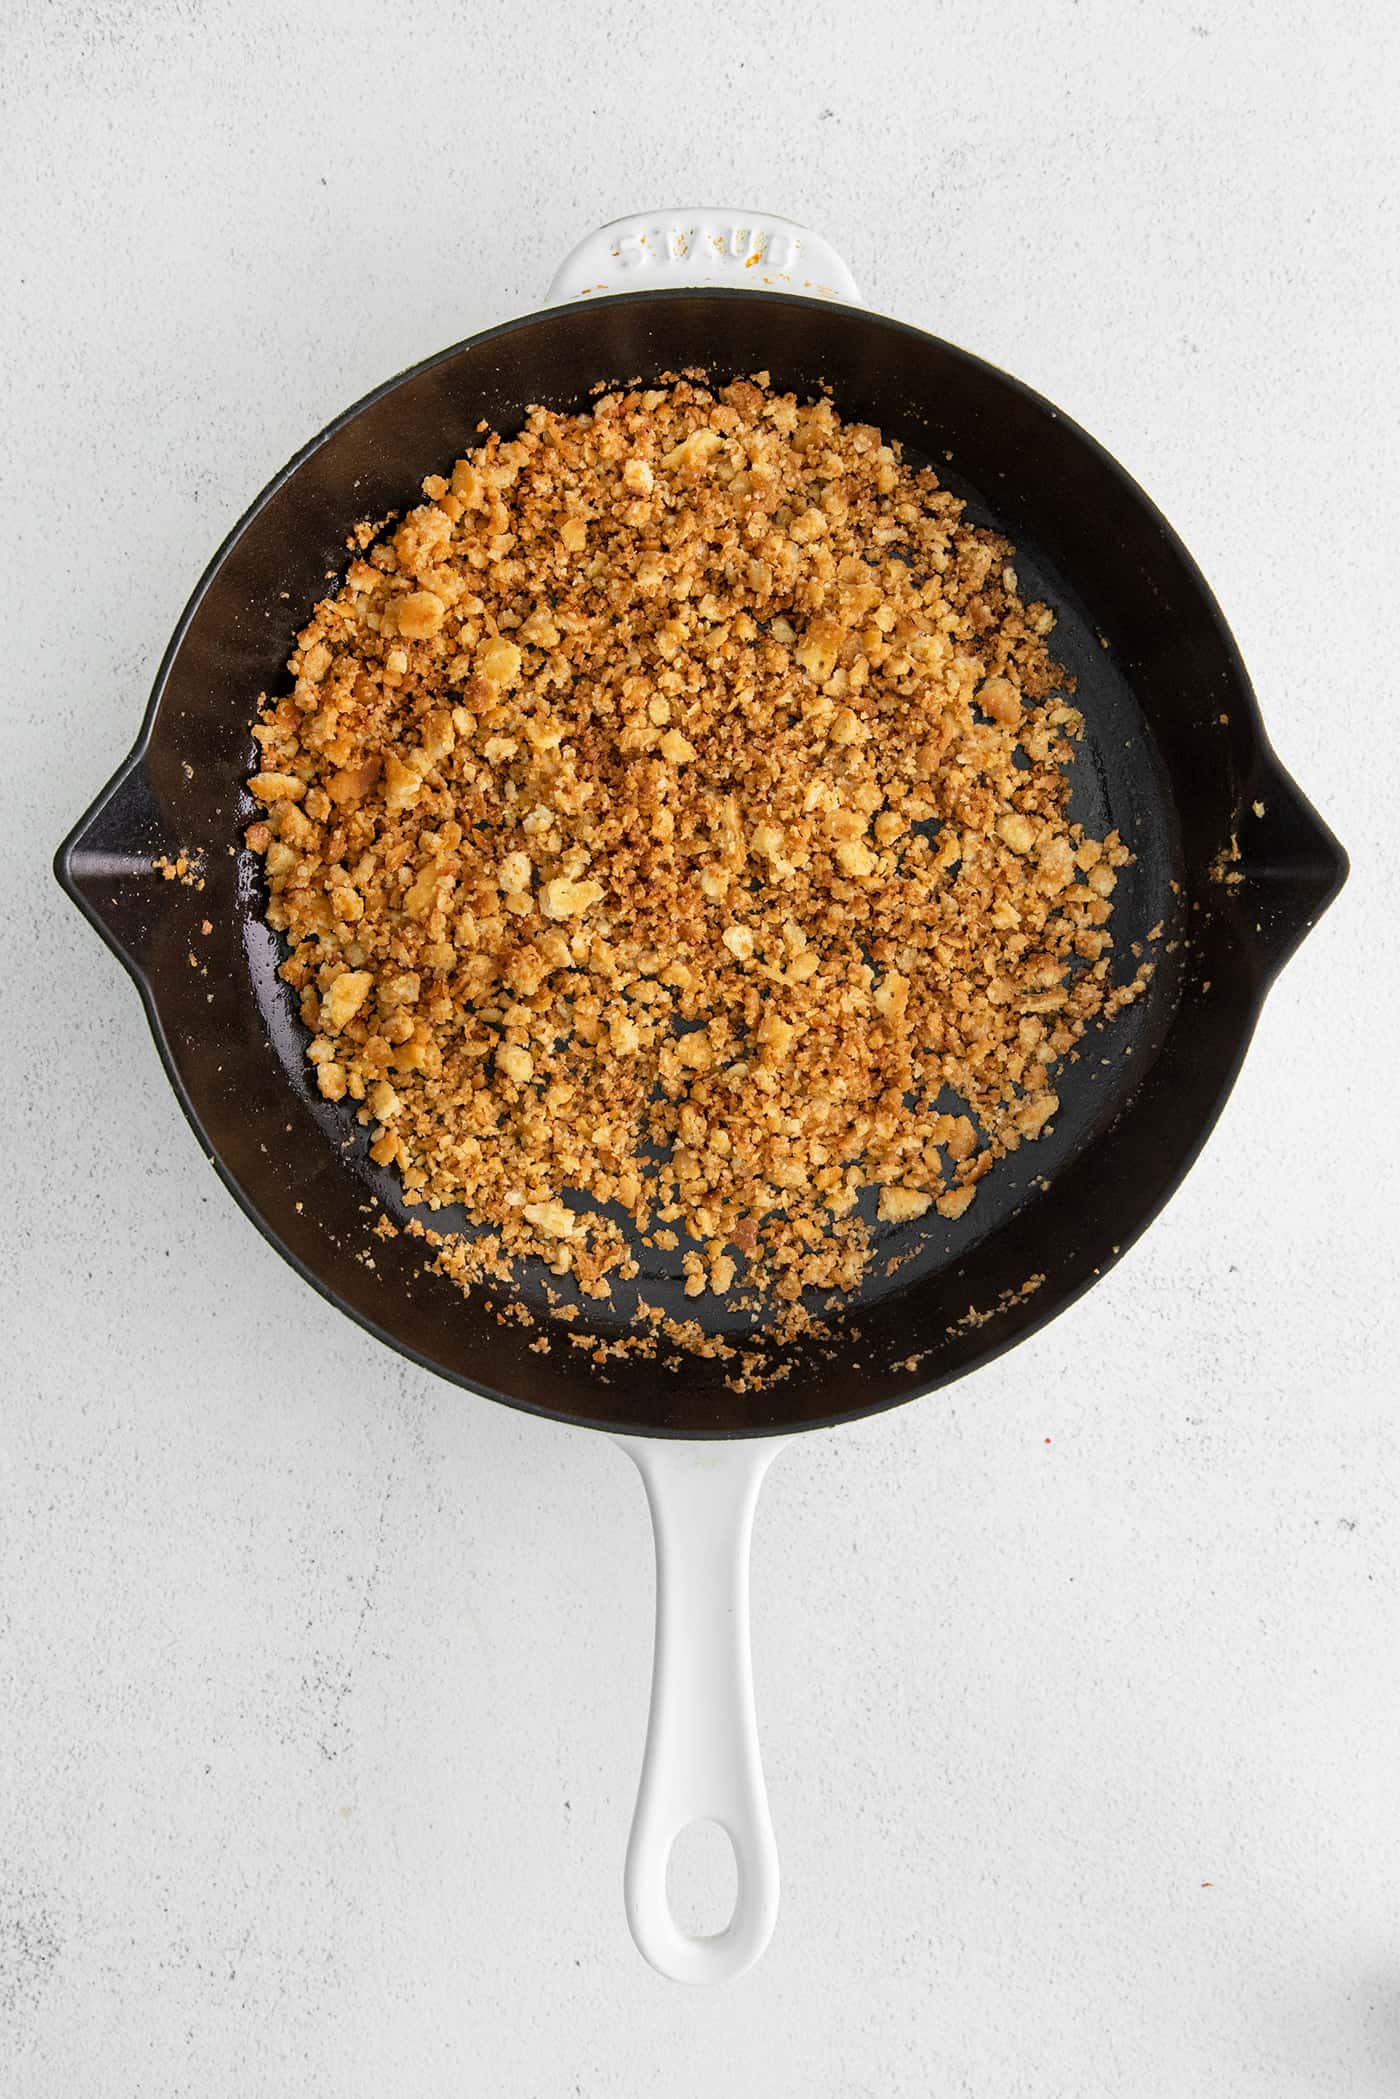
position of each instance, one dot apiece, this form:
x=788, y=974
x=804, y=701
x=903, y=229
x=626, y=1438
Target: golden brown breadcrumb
x=669, y=824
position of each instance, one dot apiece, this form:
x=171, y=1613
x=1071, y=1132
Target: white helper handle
x=700, y=245
x=702, y=1760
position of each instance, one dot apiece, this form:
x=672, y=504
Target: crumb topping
x=668, y=829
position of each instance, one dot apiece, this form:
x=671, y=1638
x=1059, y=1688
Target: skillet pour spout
x=1290, y=866
x=113, y=866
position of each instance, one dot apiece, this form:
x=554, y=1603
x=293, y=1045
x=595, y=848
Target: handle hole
x=702, y=1880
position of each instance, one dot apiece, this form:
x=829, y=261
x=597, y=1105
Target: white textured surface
x=321, y=1686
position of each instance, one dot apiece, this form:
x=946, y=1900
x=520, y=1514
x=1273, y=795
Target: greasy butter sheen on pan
x=669, y=822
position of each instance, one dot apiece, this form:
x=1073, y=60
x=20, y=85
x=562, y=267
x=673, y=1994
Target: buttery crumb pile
x=669, y=819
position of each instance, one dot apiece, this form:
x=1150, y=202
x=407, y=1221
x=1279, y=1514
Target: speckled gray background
x=321, y=1685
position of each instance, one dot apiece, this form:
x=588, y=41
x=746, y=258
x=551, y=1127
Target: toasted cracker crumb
x=185, y=868
x=667, y=813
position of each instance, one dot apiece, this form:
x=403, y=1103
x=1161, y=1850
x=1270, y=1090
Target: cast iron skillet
x=1232, y=863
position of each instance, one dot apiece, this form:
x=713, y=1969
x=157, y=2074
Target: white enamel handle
x=702, y=1759
x=700, y=245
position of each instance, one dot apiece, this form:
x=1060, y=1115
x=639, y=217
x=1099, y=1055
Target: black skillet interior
x=1174, y=755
